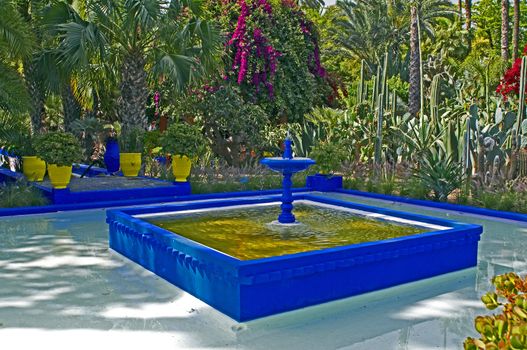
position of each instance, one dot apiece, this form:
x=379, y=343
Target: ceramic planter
x=33, y=168
x=130, y=164
x=59, y=176
x=181, y=167
x=111, y=156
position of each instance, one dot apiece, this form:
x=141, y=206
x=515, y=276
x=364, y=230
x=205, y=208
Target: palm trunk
x=468, y=14
x=460, y=10
x=70, y=106
x=414, y=99
x=134, y=93
x=505, y=31
x=516, y=31
x=36, y=91
x=468, y=22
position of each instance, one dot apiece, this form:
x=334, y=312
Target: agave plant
x=440, y=174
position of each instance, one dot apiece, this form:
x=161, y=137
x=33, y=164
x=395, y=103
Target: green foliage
x=507, y=330
x=232, y=125
x=440, y=174
x=59, y=148
x=20, y=194
x=131, y=140
x=15, y=134
x=329, y=156
x=183, y=139
x=294, y=85
x=152, y=142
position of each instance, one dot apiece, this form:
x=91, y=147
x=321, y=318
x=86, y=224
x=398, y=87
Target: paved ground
x=62, y=288
x=109, y=183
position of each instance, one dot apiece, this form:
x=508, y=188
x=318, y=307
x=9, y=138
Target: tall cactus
x=360, y=90
x=521, y=103
x=434, y=99
x=378, y=138
x=384, y=88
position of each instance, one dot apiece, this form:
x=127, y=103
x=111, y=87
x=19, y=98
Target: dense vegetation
x=422, y=98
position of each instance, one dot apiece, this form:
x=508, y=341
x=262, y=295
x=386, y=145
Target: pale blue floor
x=60, y=285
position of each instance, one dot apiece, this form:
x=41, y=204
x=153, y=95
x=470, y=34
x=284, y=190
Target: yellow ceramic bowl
x=33, y=168
x=130, y=163
x=181, y=167
x=59, y=176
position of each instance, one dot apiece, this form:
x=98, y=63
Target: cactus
x=521, y=103
x=360, y=91
x=384, y=89
x=378, y=138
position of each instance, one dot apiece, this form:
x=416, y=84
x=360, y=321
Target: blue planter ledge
x=65, y=196
x=250, y=289
x=324, y=183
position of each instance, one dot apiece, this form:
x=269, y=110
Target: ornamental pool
x=59, y=284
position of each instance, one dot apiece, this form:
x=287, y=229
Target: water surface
x=248, y=233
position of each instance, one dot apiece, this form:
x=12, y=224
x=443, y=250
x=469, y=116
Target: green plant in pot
x=131, y=146
x=184, y=142
x=21, y=144
x=33, y=167
x=60, y=150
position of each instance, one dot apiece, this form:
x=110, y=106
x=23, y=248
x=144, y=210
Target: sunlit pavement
x=62, y=288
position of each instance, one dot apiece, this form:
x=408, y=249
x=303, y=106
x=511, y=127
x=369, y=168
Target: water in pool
x=246, y=233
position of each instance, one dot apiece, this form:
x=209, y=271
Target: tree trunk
x=70, y=106
x=505, y=30
x=468, y=14
x=36, y=91
x=414, y=98
x=468, y=22
x=134, y=93
x=516, y=31
x=460, y=10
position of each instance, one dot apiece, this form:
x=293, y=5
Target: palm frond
x=14, y=97
x=15, y=34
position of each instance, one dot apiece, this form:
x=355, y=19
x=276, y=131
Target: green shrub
x=329, y=157
x=414, y=188
x=507, y=330
x=59, y=148
x=20, y=194
x=183, y=139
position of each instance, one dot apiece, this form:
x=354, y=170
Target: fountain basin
x=253, y=288
x=291, y=165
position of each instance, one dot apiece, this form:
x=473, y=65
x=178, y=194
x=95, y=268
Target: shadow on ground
x=57, y=276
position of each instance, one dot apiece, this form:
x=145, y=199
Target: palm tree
x=167, y=38
x=516, y=30
x=16, y=44
x=505, y=31
x=370, y=28
x=414, y=98
x=424, y=15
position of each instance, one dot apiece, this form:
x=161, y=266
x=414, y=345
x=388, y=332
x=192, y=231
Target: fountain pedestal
x=287, y=165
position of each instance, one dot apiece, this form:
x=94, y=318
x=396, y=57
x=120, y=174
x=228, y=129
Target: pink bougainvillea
x=256, y=44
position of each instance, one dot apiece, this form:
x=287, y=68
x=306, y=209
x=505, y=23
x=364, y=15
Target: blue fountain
x=287, y=165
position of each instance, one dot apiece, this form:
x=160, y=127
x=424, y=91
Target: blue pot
x=111, y=156
x=161, y=160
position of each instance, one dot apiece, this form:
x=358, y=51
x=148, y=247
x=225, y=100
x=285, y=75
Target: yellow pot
x=130, y=163
x=181, y=167
x=33, y=168
x=59, y=176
